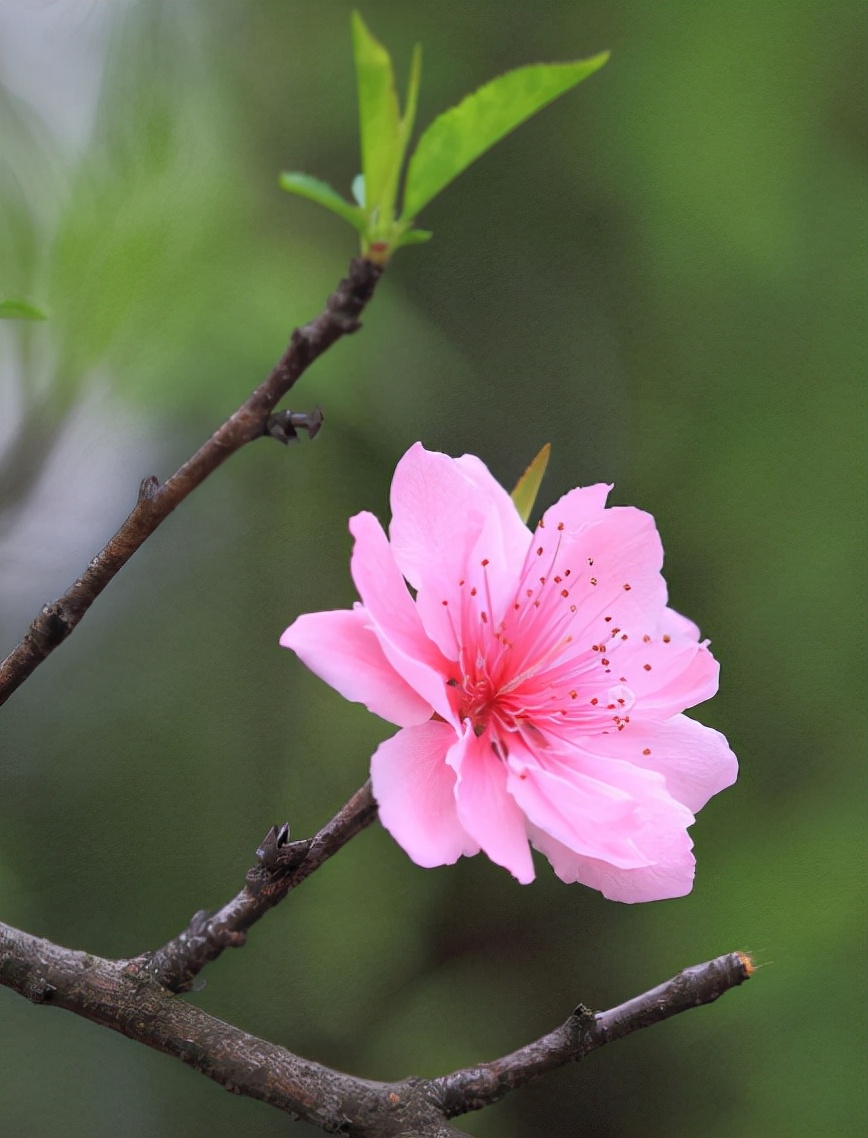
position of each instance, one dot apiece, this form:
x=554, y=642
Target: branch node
x=229, y=938
x=583, y=1013
x=50, y=628
x=285, y=425
x=271, y=844
x=293, y=854
x=38, y=990
x=348, y=324
x=149, y=489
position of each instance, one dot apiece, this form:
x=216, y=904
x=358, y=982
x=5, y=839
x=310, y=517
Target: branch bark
x=157, y=500
x=477, y=1087
x=281, y=865
x=124, y=996
x=119, y=995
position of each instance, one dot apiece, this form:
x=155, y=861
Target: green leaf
x=460, y=135
x=379, y=118
x=414, y=237
x=20, y=310
x=315, y=190
x=527, y=487
x=413, y=82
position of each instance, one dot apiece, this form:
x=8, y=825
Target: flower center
x=478, y=703
x=525, y=666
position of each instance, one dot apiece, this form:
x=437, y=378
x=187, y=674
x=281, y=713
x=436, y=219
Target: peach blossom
x=538, y=677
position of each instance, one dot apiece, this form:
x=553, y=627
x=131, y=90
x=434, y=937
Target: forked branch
x=281, y=865
x=157, y=500
x=124, y=996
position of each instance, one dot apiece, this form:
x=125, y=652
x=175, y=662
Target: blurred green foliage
x=665, y=279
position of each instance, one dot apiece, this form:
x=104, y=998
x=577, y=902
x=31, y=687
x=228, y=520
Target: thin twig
x=281, y=865
x=157, y=500
x=122, y=996
x=480, y=1086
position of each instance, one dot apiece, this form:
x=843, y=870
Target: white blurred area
x=52, y=55
x=52, y=58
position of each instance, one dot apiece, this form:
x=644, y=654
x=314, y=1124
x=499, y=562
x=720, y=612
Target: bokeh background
x=664, y=276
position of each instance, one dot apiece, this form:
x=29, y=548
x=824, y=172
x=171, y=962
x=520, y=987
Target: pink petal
x=672, y=877
x=588, y=815
x=695, y=760
x=657, y=814
x=659, y=834
x=666, y=677
x=393, y=614
x=515, y=535
x=598, y=569
x=486, y=810
x=495, y=568
x=341, y=648
x=449, y=517
x=673, y=624
x=437, y=513
x=415, y=790
x=577, y=509
x=454, y=611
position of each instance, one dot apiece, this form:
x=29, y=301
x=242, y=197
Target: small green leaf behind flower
x=20, y=310
x=452, y=142
x=527, y=487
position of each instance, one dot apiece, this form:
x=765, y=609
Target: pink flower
x=538, y=679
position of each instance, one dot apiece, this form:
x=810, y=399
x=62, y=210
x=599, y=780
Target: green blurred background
x=663, y=276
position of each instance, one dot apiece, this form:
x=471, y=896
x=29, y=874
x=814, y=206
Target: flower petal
x=666, y=674
x=619, y=561
x=415, y=790
x=393, y=614
x=437, y=513
x=673, y=624
x=672, y=877
x=578, y=508
x=594, y=576
x=341, y=648
x=515, y=534
x=451, y=520
x=588, y=815
x=695, y=760
x=485, y=808
x=658, y=833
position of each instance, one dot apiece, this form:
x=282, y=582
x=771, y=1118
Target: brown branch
x=480, y=1086
x=281, y=865
x=122, y=996
x=118, y=995
x=157, y=500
